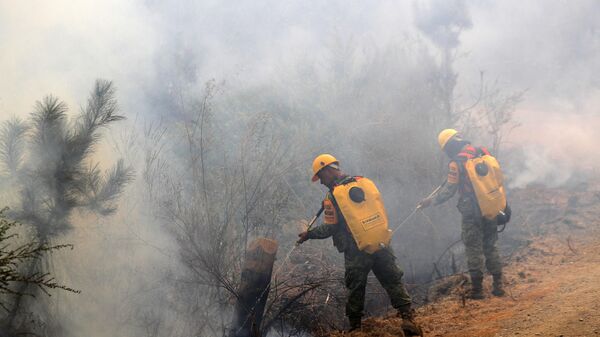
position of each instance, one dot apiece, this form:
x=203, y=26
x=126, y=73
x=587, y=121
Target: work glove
x=302, y=237
x=425, y=203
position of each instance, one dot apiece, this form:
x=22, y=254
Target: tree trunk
x=254, y=288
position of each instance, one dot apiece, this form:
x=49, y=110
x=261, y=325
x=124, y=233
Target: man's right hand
x=302, y=237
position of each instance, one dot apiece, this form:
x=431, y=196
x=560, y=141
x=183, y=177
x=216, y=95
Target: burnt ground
x=553, y=290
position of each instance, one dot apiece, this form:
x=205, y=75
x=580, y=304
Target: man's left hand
x=302, y=237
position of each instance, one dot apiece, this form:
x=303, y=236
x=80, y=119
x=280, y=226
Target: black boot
x=409, y=325
x=355, y=323
x=497, y=289
x=476, y=292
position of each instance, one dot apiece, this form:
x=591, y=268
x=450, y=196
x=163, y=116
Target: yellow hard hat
x=445, y=136
x=322, y=160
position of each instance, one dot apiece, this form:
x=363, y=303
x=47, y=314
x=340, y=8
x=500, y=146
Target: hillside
x=551, y=281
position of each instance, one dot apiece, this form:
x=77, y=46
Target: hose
x=418, y=207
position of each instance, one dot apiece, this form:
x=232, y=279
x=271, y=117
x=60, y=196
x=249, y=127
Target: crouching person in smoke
x=355, y=217
x=475, y=174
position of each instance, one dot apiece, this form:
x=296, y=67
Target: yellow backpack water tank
x=361, y=205
x=486, y=177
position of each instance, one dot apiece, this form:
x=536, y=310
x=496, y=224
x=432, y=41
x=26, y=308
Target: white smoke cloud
x=550, y=48
x=557, y=147
x=60, y=47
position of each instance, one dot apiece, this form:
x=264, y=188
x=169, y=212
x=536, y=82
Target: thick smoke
x=443, y=21
x=351, y=78
x=550, y=49
x=61, y=47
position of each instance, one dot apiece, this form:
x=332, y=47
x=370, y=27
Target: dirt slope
x=552, y=280
x=554, y=290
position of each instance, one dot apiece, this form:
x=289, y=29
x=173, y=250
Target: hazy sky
x=551, y=48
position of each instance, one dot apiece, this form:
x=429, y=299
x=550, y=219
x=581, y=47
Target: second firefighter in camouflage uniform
x=479, y=234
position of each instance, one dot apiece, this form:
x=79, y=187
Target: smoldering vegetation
x=223, y=123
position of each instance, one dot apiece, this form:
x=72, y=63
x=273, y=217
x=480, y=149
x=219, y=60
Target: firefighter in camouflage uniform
x=359, y=261
x=479, y=234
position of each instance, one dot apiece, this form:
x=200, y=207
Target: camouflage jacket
x=334, y=224
x=456, y=181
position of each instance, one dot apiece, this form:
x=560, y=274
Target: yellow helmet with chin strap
x=320, y=162
x=445, y=136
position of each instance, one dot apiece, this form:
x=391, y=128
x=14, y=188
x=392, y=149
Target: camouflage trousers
x=358, y=265
x=479, y=236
